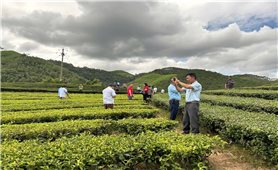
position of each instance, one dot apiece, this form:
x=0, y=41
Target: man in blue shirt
x=193, y=91
x=174, y=99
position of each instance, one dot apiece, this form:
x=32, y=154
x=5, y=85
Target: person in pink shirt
x=130, y=92
x=145, y=92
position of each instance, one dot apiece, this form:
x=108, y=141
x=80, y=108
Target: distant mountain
x=105, y=77
x=16, y=67
x=209, y=80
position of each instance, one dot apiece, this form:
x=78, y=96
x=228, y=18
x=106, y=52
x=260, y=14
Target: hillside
x=18, y=67
x=209, y=80
x=105, y=77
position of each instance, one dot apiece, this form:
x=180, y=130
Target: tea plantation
x=40, y=131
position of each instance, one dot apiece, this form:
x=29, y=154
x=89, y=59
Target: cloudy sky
x=230, y=37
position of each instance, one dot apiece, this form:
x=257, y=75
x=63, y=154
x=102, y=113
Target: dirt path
x=226, y=160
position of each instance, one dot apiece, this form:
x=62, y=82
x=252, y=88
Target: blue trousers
x=174, y=108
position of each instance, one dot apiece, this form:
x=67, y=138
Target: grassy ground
x=232, y=157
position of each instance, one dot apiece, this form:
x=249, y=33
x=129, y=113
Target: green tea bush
x=244, y=103
x=55, y=130
x=167, y=150
x=89, y=113
x=255, y=130
x=273, y=87
x=265, y=94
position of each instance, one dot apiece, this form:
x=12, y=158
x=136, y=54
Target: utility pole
x=61, y=72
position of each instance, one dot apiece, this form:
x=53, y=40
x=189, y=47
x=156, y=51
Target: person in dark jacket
x=229, y=83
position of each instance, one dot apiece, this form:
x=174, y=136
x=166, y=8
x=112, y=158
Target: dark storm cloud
x=127, y=29
x=105, y=29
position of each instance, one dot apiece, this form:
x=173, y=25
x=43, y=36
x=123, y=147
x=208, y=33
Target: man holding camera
x=174, y=99
x=193, y=91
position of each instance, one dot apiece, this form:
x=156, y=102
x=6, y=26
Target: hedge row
x=36, y=90
x=55, y=130
x=60, y=105
x=244, y=103
x=257, y=131
x=254, y=130
x=45, y=96
x=53, y=100
x=93, y=108
x=13, y=95
x=274, y=87
x=167, y=150
x=89, y=113
x=265, y=94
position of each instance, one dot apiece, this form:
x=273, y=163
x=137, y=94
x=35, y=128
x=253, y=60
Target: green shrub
x=244, y=103
x=55, y=130
x=265, y=94
x=254, y=130
x=167, y=150
x=273, y=87
x=68, y=114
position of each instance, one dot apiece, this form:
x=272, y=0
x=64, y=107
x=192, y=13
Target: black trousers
x=108, y=106
x=145, y=96
x=174, y=108
x=191, y=117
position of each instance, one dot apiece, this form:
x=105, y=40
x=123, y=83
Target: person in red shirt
x=145, y=92
x=130, y=92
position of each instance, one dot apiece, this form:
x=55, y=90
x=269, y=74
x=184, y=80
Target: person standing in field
x=154, y=90
x=130, y=92
x=174, y=99
x=63, y=93
x=80, y=87
x=109, y=95
x=229, y=83
x=145, y=92
x=193, y=92
x=150, y=92
x=162, y=91
x=139, y=89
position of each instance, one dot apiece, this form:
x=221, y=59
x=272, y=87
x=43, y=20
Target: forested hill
x=16, y=67
x=209, y=79
x=105, y=77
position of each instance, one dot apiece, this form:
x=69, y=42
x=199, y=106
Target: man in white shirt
x=108, y=97
x=192, y=97
x=139, y=89
x=62, y=92
x=155, y=90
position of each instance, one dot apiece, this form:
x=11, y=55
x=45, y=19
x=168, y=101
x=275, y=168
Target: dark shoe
x=185, y=133
x=195, y=133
